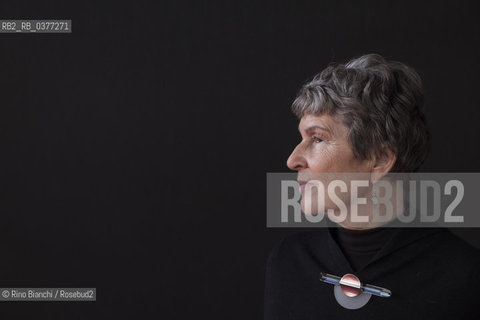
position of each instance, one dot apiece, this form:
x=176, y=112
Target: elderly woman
x=366, y=116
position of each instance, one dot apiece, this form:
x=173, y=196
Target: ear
x=383, y=162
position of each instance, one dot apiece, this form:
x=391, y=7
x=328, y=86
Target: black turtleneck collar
x=360, y=246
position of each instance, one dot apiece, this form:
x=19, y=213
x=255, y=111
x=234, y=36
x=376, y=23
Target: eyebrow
x=309, y=129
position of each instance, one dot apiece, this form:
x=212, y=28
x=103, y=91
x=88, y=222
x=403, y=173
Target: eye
x=317, y=139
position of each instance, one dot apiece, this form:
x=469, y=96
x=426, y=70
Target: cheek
x=323, y=160
x=345, y=161
x=359, y=165
x=335, y=158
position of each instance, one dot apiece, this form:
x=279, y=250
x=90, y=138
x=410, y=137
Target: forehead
x=325, y=121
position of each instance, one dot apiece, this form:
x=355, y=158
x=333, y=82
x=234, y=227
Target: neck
x=370, y=215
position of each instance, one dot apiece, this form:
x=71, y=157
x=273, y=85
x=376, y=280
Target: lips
x=302, y=184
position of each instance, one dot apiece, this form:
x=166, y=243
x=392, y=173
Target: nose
x=297, y=161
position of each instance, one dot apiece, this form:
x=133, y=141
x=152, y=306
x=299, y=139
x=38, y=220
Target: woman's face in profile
x=324, y=149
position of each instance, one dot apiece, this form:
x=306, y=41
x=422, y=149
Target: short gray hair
x=379, y=101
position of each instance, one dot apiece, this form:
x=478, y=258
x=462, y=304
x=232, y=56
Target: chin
x=313, y=209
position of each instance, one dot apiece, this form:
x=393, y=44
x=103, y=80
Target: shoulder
x=304, y=238
x=298, y=243
x=451, y=266
x=452, y=250
x=293, y=261
x=444, y=258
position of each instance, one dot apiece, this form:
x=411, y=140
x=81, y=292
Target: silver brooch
x=350, y=293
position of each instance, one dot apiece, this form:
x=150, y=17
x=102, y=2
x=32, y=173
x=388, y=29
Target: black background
x=135, y=149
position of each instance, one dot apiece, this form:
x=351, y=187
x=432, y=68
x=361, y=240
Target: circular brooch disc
x=352, y=303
